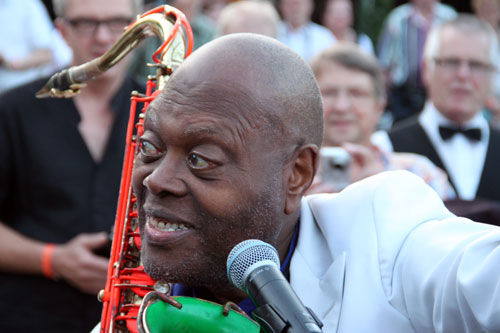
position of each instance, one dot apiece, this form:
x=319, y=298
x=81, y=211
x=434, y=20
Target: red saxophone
x=127, y=283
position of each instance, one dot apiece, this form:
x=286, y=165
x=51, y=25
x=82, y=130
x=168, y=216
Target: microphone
x=253, y=266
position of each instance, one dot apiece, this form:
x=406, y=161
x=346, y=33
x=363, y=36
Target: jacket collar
x=317, y=274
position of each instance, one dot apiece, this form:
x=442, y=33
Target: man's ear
x=59, y=25
x=300, y=173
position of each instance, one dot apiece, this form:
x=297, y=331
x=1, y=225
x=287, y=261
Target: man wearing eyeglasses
x=353, y=91
x=451, y=131
x=59, y=180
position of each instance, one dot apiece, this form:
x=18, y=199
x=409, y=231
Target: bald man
x=231, y=151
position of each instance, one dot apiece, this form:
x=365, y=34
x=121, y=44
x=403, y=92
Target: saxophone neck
x=166, y=22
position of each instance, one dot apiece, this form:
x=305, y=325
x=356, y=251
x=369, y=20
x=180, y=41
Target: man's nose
x=464, y=69
x=103, y=34
x=165, y=179
x=342, y=102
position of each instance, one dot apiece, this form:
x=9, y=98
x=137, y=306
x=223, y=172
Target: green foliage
x=370, y=15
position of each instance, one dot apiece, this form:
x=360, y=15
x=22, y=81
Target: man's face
x=296, y=12
x=88, y=40
x=424, y=3
x=459, y=78
x=338, y=15
x=351, y=108
x=204, y=183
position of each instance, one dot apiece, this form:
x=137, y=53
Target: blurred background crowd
x=38, y=40
x=392, y=30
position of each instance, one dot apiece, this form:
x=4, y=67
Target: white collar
x=431, y=119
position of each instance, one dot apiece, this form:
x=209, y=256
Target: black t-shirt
x=51, y=190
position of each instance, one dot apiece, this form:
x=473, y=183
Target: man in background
x=60, y=179
x=459, y=64
x=353, y=90
x=400, y=50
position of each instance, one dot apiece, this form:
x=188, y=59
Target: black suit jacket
x=409, y=136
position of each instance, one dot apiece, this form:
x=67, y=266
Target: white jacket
x=385, y=255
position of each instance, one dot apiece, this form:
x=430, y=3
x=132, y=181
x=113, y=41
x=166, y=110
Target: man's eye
x=148, y=149
x=332, y=93
x=197, y=162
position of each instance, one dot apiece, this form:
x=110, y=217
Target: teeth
x=160, y=225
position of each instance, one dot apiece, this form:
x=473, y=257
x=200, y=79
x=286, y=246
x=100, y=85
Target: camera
x=335, y=167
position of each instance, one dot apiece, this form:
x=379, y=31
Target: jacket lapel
x=411, y=137
x=332, y=283
x=316, y=277
x=489, y=186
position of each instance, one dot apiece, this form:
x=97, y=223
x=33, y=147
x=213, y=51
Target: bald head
x=257, y=78
x=229, y=146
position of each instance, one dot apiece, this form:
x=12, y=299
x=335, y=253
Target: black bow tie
x=473, y=134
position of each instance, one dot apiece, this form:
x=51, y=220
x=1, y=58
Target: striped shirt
x=402, y=39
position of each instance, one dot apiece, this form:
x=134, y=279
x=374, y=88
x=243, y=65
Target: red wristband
x=47, y=260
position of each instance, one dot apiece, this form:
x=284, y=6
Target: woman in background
x=338, y=17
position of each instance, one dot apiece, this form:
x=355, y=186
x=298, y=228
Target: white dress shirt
x=308, y=40
x=25, y=27
x=463, y=158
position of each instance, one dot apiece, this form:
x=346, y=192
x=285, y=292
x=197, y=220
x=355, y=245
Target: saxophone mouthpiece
x=60, y=86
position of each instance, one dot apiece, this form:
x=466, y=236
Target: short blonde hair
x=235, y=11
x=350, y=55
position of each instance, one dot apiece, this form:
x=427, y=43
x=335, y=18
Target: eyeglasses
x=88, y=26
x=354, y=95
x=476, y=67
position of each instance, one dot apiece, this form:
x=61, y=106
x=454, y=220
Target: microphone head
x=246, y=254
